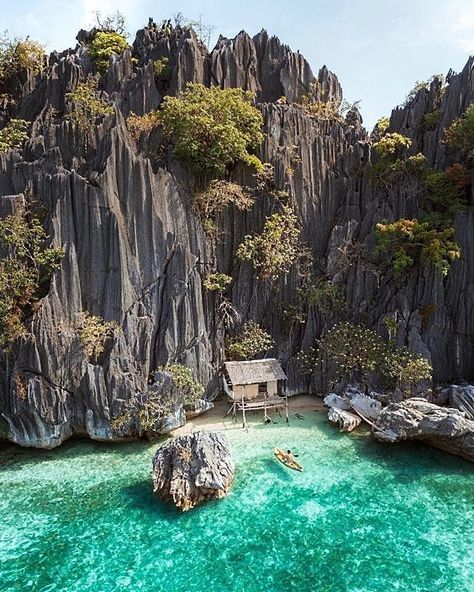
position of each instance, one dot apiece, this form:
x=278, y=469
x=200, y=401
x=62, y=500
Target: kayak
x=291, y=464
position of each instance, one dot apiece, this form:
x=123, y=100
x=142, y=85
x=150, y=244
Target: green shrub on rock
x=162, y=69
x=86, y=106
x=250, y=341
x=141, y=124
x=103, y=45
x=25, y=272
x=183, y=379
x=391, y=163
x=460, y=134
x=212, y=129
x=13, y=135
x=93, y=332
x=447, y=191
x=357, y=353
x=410, y=242
x=17, y=55
x=274, y=251
x=217, y=282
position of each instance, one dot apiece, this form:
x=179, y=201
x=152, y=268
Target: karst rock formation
x=136, y=253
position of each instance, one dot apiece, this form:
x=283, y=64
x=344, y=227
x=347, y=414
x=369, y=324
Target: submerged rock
x=417, y=419
x=192, y=469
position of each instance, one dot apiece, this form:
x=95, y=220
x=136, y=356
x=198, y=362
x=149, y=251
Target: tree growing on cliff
x=143, y=413
x=13, y=135
x=409, y=242
x=86, y=105
x=460, y=134
x=249, y=341
x=357, y=353
x=19, y=54
x=103, y=45
x=212, y=129
x=276, y=248
x=25, y=271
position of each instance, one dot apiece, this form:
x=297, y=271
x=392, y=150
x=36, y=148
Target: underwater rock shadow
x=142, y=497
x=14, y=457
x=395, y=458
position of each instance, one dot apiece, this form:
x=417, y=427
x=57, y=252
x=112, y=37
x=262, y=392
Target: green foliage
x=13, y=135
x=183, y=379
x=392, y=146
x=104, y=44
x=25, y=272
x=447, y=192
x=357, y=353
x=162, y=69
x=391, y=163
x=274, y=251
x=405, y=368
x=141, y=124
x=321, y=110
x=19, y=54
x=212, y=129
x=429, y=121
x=460, y=134
x=219, y=195
x=380, y=129
x=143, y=413
x=326, y=296
x=93, y=332
x=250, y=341
x=352, y=349
x=86, y=105
x=410, y=242
x=217, y=282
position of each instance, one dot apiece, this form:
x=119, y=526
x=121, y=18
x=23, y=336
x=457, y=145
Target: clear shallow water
x=362, y=517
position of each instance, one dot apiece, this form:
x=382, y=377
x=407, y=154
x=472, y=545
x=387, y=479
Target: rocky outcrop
x=343, y=419
x=462, y=398
x=136, y=253
x=348, y=409
x=192, y=469
x=417, y=419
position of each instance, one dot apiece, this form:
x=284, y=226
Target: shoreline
x=216, y=419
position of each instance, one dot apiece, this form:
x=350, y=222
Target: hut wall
x=272, y=388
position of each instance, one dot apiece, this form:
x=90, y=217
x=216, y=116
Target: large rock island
x=192, y=469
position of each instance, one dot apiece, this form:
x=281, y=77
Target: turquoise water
x=361, y=517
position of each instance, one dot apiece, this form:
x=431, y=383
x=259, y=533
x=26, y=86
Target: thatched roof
x=254, y=371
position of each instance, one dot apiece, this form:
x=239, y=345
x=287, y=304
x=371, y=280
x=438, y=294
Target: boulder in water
x=417, y=419
x=345, y=420
x=193, y=468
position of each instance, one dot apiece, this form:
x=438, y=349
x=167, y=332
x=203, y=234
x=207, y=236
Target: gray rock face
x=136, y=253
x=344, y=420
x=417, y=419
x=365, y=406
x=192, y=469
x=348, y=410
x=462, y=398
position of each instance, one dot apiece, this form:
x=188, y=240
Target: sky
x=378, y=49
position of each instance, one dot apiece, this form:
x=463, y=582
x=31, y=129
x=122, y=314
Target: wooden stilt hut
x=255, y=384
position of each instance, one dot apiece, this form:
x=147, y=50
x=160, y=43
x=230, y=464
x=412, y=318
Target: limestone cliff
x=136, y=253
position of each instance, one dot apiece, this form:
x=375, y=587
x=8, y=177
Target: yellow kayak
x=283, y=458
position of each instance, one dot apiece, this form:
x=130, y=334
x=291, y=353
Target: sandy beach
x=218, y=417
